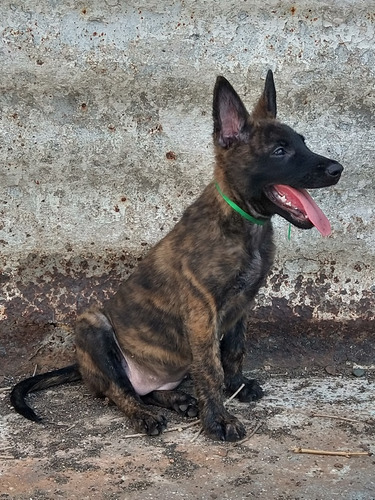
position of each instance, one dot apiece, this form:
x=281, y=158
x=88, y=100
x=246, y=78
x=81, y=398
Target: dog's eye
x=279, y=152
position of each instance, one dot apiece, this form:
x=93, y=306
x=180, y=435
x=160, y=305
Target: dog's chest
x=256, y=261
x=241, y=291
x=251, y=272
x=249, y=275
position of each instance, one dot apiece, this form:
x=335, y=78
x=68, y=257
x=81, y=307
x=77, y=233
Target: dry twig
x=346, y=454
x=172, y=429
x=337, y=417
x=234, y=394
x=128, y=436
x=256, y=428
x=183, y=427
x=36, y=351
x=197, y=435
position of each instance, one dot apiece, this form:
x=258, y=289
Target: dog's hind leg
x=232, y=354
x=103, y=368
x=179, y=401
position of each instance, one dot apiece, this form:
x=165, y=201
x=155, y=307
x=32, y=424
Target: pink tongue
x=301, y=199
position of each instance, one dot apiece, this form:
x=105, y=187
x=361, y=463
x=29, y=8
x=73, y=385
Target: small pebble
x=331, y=370
x=358, y=372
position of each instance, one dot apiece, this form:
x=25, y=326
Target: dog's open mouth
x=300, y=205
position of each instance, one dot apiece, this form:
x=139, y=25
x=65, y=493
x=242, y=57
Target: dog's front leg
x=208, y=376
x=232, y=355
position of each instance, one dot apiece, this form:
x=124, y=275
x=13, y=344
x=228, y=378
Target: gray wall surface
x=105, y=137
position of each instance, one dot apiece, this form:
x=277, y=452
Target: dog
x=184, y=309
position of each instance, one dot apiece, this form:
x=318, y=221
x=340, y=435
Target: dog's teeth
x=285, y=201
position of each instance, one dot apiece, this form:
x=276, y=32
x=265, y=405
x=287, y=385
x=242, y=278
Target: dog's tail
x=38, y=382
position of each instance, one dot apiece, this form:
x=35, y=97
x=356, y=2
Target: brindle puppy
x=184, y=309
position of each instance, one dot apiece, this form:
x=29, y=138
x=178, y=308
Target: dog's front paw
x=224, y=427
x=152, y=425
x=251, y=392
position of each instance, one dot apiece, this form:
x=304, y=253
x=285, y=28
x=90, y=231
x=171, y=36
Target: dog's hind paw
x=179, y=401
x=186, y=405
x=189, y=410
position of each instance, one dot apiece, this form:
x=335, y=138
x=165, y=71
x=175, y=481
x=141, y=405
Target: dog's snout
x=334, y=169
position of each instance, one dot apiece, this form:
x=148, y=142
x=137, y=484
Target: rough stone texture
x=106, y=136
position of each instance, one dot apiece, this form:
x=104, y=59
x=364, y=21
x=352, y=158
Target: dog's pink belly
x=144, y=382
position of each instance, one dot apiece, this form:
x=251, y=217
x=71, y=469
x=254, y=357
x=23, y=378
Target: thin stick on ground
x=254, y=431
x=234, y=394
x=336, y=417
x=196, y=435
x=36, y=352
x=172, y=429
x=5, y=389
x=183, y=427
x=346, y=454
x=129, y=436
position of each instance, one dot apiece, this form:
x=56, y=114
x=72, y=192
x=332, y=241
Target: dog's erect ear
x=266, y=106
x=229, y=114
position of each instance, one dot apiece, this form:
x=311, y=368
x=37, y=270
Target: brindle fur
x=184, y=309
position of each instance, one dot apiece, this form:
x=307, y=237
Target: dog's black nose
x=334, y=169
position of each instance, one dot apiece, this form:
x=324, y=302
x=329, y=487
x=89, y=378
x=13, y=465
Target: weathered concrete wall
x=93, y=97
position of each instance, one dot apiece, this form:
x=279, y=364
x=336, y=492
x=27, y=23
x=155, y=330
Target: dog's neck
x=236, y=208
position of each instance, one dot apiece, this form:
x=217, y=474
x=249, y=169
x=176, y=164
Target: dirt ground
x=86, y=449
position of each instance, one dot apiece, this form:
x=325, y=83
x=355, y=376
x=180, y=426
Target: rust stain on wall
x=42, y=297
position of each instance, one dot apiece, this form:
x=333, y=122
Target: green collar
x=235, y=207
